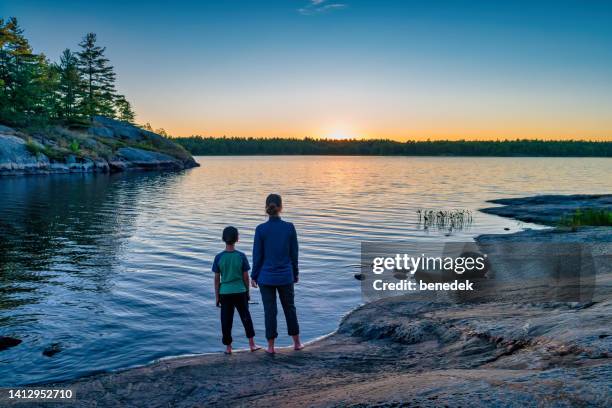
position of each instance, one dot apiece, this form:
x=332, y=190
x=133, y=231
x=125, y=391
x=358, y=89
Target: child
x=232, y=289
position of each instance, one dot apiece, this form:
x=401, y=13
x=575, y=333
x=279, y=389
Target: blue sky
x=365, y=68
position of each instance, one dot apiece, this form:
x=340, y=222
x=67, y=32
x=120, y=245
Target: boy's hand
x=253, y=283
x=296, y=279
x=248, y=296
x=217, y=302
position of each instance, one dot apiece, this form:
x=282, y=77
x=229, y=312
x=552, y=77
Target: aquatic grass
x=588, y=217
x=450, y=220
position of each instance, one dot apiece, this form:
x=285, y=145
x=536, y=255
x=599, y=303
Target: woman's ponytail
x=274, y=203
x=272, y=209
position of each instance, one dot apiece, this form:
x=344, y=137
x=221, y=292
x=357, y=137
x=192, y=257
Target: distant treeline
x=212, y=146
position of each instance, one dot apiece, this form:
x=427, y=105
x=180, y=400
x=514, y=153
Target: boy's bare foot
x=228, y=350
x=298, y=346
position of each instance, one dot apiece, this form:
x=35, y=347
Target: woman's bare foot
x=297, y=344
x=252, y=345
x=228, y=349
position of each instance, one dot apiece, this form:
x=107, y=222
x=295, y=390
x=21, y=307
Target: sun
x=339, y=136
x=339, y=131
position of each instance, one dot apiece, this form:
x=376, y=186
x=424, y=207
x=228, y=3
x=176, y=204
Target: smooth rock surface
x=147, y=159
x=7, y=130
x=16, y=158
x=547, y=209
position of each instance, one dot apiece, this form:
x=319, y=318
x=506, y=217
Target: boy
x=232, y=289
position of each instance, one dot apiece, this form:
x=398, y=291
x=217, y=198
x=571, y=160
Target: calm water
x=116, y=269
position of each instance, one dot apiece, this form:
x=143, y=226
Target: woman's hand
x=254, y=283
x=217, y=301
x=296, y=279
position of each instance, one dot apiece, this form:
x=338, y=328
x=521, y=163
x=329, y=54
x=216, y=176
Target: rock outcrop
x=107, y=145
x=547, y=209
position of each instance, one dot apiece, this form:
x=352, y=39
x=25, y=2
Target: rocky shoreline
x=106, y=146
x=412, y=350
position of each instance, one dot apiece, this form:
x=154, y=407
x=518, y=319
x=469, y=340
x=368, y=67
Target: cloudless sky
x=397, y=69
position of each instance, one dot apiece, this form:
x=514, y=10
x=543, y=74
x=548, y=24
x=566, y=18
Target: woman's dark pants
x=285, y=294
x=240, y=301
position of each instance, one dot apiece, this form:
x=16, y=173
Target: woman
x=275, y=270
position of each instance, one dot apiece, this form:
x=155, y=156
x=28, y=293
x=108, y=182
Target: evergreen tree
x=98, y=79
x=70, y=85
x=22, y=76
x=34, y=91
x=47, y=92
x=124, y=109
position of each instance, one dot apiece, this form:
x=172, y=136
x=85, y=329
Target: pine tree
x=34, y=91
x=47, y=92
x=99, y=79
x=22, y=76
x=70, y=85
x=124, y=109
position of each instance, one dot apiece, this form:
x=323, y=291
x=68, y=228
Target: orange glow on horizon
x=536, y=132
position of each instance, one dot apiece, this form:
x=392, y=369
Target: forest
x=35, y=91
x=199, y=145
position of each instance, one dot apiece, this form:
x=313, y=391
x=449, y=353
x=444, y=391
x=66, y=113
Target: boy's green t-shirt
x=231, y=265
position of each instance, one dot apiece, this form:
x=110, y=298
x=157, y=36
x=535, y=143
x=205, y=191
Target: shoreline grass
x=593, y=217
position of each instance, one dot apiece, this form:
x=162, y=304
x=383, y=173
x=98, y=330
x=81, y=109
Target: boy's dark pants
x=240, y=301
x=285, y=294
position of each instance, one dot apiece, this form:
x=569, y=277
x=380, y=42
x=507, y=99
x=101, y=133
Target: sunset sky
x=349, y=68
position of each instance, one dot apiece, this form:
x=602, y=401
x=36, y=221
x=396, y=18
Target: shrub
x=55, y=154
x=74, y=146
x=588, y=216
x=33, y=147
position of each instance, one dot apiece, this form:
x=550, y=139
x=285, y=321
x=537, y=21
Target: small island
x=67, y=116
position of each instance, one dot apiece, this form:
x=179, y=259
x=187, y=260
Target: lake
x=115, y=269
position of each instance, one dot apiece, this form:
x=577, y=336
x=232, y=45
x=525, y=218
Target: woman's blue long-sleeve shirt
x=275, y=253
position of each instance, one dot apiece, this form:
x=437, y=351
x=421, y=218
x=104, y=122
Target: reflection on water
x=116, y=269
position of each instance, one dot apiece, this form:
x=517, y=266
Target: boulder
x=148, y=159
x=15, y=156
x=101, y=166
x=119, y=129
x=8, y=342
x=52, y=350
